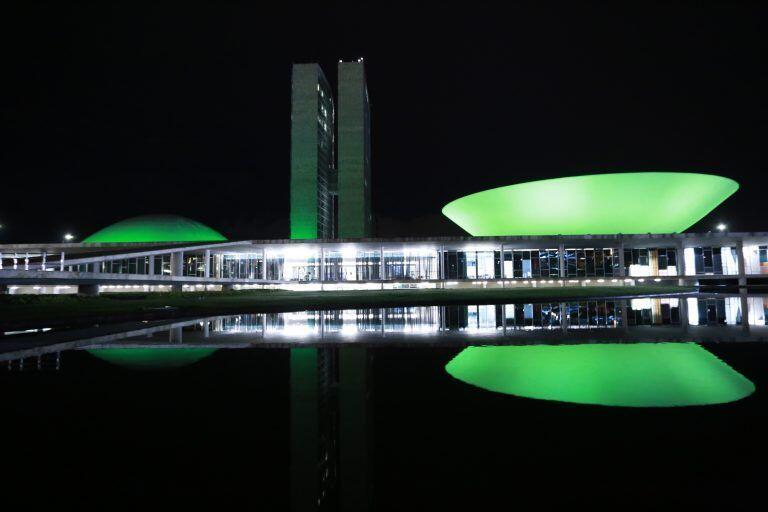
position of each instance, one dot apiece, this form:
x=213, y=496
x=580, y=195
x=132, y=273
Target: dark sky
x=115, y=110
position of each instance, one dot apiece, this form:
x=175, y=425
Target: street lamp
x=69, y=237
x=721, y=227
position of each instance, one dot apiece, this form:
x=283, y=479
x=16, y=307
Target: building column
x=442, y=262
x=680, y=263
x=175, y=335
x=624, y=314
x=207, y=264
x=151, y=269
x=561, y=259
x=381, y=260
x=744, y=299
x=44, y=258
x=61, y=262
x=177, y=269
x=740, y=263
x=322, y=265
x=622, y=262
x=264, y=264
x=564, y=319
x=501, y=264
x=682, y=308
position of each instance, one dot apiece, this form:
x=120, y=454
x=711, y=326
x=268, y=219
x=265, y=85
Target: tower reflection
x=331, y=428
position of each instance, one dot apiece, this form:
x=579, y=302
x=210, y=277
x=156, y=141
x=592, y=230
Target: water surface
x=596, y=403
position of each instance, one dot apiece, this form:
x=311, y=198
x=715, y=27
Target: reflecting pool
x=555, y=405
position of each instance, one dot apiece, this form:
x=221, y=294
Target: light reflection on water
x=699, y=318
x=320, y=382
x=627, y=375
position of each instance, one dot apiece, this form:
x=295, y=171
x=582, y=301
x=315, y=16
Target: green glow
x=628, y=375
x=156, y=228
x=152, y=358
x=637, y=202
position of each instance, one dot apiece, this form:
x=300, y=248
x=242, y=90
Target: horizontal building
x=384, y=263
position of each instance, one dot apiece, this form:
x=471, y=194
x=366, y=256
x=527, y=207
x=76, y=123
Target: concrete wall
x=355, y=218
x=311, y=153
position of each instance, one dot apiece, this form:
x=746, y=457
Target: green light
x=628, y=375
x=152, y=358
x=637, y=202
x=156, y=228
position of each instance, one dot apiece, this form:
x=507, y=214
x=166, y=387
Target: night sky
x=117, y=110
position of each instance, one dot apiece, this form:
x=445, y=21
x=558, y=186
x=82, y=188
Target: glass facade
x=531, y=263
x=711, y=261
x=163, y=264
x=237, y=266
x=408, y=262
x=651, y=262
x=650, y=311
x=472, y=264
x=411, y=264
x=714, y=311
x=574, y=315
x=756, y=259
x=352, y=266
x=126, y=266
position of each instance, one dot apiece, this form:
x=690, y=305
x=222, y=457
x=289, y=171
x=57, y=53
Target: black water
x=370, y=419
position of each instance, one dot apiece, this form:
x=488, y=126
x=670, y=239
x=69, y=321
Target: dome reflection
x=628, y=375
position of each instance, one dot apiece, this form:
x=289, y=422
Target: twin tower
x=330, y=153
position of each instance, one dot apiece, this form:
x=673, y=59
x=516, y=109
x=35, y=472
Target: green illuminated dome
x=628, y=375
x=152, y=358
x=156, y=228
x=635, y=202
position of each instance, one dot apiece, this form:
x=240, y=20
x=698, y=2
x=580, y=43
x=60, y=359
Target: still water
x=649, y=402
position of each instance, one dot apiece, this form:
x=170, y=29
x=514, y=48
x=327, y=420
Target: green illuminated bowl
x=627, y=375
x=636, y=202
x=156, y=228
x=152, y=358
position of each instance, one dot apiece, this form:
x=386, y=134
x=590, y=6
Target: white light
x=69, y=236
x=721, y=227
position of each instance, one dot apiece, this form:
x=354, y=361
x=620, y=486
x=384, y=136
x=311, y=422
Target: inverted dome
x=628, y=375
x=152, y=358
x=635, y=202
x=156, y=228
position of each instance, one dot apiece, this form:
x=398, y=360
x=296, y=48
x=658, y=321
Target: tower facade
x=354, y=152
x=313, y=175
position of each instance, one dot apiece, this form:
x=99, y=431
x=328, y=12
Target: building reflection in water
x=331, y=428
x=330, y=383
x=627, y=375
x=489, y=318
